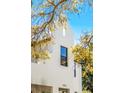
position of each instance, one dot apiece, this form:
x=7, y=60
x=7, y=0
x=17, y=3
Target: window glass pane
x=74, y=69
x=63, y=51
x=64, y=56
x=63, y=61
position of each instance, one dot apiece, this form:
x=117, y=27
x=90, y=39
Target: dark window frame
x=64, y=58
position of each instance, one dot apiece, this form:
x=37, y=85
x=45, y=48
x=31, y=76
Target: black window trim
x=64, y=56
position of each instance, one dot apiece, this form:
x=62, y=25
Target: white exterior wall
x=52, y=73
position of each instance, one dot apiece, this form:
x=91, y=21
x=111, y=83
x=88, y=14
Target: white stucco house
x=59, y=74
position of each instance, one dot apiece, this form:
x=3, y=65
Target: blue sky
x=79, y=23
x=82, y=23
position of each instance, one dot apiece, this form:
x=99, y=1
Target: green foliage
x=85, y=91
x=83, y=54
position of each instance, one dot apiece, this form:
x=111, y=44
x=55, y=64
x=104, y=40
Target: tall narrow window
x=64, y=56
x=74, y=69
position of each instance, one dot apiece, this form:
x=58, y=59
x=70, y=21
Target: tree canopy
x=48, y=12
x=46, y=15
x=83, y=54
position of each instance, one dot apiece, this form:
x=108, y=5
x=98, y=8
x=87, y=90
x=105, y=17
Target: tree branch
x=90, y=39
x=52, y=3
x=44, y=25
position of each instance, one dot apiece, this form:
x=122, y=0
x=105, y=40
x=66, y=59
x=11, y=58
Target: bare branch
x=52, y=3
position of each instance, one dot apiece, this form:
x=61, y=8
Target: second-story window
x=64, y=56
